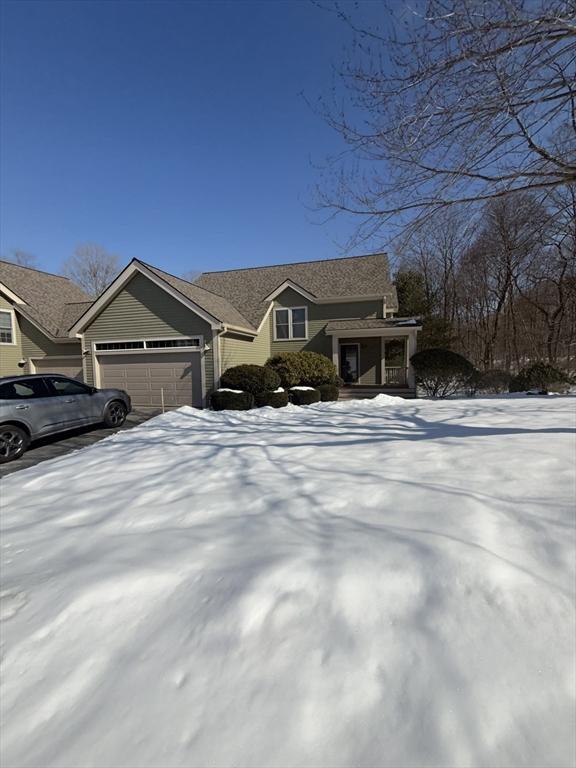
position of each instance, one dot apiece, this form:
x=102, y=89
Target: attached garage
x=67, y=366
x=154, y=379
x=155, y=336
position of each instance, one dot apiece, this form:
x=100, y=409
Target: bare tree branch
x=92, y=268
x=458, y=101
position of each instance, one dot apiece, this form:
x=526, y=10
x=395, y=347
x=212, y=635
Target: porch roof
x=374, y=324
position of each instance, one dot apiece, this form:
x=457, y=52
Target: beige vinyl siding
x=143, y=310
x=318, y=316
x=239, y=350
x=36, y=344
x=10, y=354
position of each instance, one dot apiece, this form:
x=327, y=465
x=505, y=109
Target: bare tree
x=22, y=258
x=501, y=289
x=458, y=102
x=548, y=286
x=190, y=275
x=92, y=268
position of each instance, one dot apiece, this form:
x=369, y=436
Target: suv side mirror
x=93, y=390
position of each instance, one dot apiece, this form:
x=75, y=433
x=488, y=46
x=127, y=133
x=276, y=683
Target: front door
x=349, y=362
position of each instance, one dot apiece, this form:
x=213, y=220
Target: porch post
x=382, y=362
x=335, y=359
x=410, y=350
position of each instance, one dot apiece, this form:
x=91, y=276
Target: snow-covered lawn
x=369, y=583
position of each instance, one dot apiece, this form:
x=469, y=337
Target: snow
x=236, y=391
x=364, y=583
x=303, y=389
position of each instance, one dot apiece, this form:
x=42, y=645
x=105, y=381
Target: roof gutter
x=238, y=329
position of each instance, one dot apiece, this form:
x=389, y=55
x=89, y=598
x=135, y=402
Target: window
x=24, y=389
x=169, y=343
x=69, y=387
x=290, y=323
x=6, y=328
x=112, y=346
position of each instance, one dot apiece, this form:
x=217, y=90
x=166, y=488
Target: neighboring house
x=166, y=341
x=36, y=311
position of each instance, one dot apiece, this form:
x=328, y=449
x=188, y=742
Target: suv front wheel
x=13, y=442
x=115, y=414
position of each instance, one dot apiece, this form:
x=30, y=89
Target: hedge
x=231, y=401
x=273, y=399
x=494, y=381
x=541, y=376
x=328, y=392
x=303, y=369
x=250, y=378
x=304, y=396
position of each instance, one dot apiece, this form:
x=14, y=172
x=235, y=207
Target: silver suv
x=35, y=406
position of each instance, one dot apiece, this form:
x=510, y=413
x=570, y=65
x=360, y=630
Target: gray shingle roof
x=215, y=305
x=73, y=312
x=375, y=323
x=340, y=278
x=50, y=299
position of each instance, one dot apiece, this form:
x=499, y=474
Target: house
x=166, y=340
x=36, y=311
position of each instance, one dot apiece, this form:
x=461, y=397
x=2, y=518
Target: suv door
x=76, y=401
x=30, y=401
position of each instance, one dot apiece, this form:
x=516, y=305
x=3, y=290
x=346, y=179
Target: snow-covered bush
x=303, y=368
x=227, y=400
x=494, y=381
x=540, y=376
x=273, y=399
x=441, y=372
x=304, y=396
x=328, y=392
x=251, y=378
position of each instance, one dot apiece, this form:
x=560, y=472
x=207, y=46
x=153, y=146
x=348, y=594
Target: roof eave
x=238, y=329
x=11, y=295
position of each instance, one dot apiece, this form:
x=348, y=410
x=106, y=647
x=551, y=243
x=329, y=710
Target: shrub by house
x=441, y=372
x=307, y=369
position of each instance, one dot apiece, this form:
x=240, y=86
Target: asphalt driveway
x=59, y=445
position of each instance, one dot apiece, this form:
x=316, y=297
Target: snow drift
x=369, y=583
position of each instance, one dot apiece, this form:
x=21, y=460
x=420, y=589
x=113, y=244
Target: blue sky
x=171, y=131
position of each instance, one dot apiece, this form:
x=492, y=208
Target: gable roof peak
x=339, y=279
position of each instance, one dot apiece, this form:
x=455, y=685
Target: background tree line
x=499, y=287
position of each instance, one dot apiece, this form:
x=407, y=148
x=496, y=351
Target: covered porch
x=373, y=356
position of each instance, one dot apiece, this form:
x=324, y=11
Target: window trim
x=291, y=336
x=145, y=348
x=12, y=315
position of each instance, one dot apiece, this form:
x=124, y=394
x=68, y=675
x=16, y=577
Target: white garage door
x=149, y=378
x=67, y=366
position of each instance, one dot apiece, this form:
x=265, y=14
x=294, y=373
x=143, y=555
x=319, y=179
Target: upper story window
x=290, y=323
x=7, y=327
